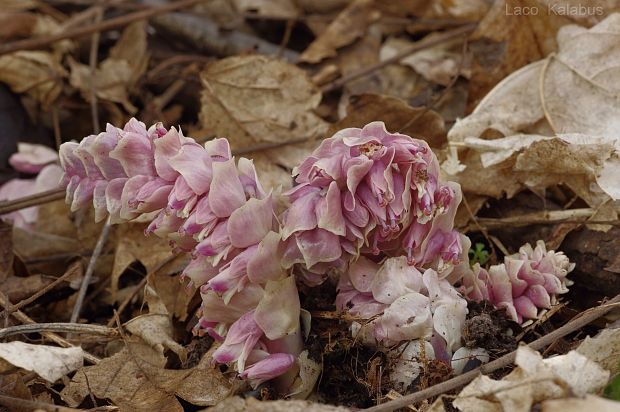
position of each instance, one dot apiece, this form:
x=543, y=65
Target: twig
x=543, y=217
x=32, y=200
x=58, y=327
x=29, y=405
x=89, y=271
x=23, y=318
x=423, y=44
x=92, y=62
x=573, y=325
x=110, y=24
x=73, y=269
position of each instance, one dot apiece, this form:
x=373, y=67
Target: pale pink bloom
x=46, y=180
x=403, y=303
x=32, y=158
x=367, y=191
x=526, y=283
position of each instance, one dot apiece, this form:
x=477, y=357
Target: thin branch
x=423, y=44
x=89, y=271
x=29, y=405
x=579, y=321
x=58, y=327
x=110, y=24
x=23, y=318
x=73, y=269
x=32, y=200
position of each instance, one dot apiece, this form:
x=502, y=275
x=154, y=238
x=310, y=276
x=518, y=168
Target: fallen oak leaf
x=135, y=380
x=349, y=25
x=155, y=328
x=259, y=99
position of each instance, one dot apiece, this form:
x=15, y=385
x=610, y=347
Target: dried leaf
x=285, y=9
x=603, y=349
x=398, y=116
x=134, y=379
x=116, y=76
x=49, y=362
x=350, y=25
x=19, y=288
x=175, y=296
x=502, y=43
x=438, y=64
x=132, y=245
x=589, y=403
x=259, y=99
x=155, y=328
x=534, y=380
x=36, y=73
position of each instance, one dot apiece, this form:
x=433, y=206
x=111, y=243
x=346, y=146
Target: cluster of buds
x=526, y=283
x=368, y=191
x=211, y=205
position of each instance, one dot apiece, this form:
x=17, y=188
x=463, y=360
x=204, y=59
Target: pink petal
x=194, y=164
x=318, y=245
x=265, y=264
x=240, y=340
x=525, y=307
x=539, y=296
x=362, y=273
x=272, y=366
x=301, y=214
x=278, y=312
x=226, y=194
x=135, y=153
x=250, y=223
x=31, y=158
x=329, y=211
x=104, y=143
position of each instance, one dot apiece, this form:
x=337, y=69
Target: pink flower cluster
x=207, y=203
x=368, y=191
x=526, y=283
x=31, y=159
x=402, y=303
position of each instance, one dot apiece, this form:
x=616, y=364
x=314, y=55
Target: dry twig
x=110, y=24
x=58, y=327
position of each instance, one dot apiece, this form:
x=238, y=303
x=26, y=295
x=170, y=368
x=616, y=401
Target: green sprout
x=612, y=391
x=478, y=254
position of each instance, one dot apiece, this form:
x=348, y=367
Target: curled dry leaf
x=589, y=403
x=173, y=294
x=135, y=380
x=270, y=8
x=116, y=76
x=259, y=99
x=38, y=74
x=155, y=328
x=418, y=122
x=552, y=121
x=132, y=245
x=503, y=43
x=349, y=25
x=49, y=362
x=438, y=64
x=603, y=349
